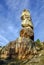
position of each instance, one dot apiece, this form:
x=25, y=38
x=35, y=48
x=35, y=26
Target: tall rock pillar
x=27, y=25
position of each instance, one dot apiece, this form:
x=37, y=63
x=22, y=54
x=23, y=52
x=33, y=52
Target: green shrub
x=38, y=43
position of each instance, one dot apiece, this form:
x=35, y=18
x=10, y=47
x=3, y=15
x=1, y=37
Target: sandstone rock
x=0, y=48
x=24, y=51
x=20, y=49
x=27, y=33
x=26, y=19
x=22, y=46
x=27, y=25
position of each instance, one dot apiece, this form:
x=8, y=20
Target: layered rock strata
x=21, y=48
x=27, y=25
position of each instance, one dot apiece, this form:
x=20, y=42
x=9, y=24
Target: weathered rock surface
x=26, y=19
x=21, y=48
x=27, y=30
x=27, y=33
x=24, y=50
x=35, y=60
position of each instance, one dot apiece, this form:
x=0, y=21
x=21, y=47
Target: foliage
x=38, y=43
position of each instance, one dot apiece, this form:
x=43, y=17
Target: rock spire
x=21, y=48
x=27, y=25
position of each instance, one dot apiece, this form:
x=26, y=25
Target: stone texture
x=24, y=50
x=26, y=19
x=20, y=48
x=27, y=33
x=27, y=25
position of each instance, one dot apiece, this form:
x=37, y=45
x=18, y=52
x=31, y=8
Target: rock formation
x=24, y=47
x=27, y=25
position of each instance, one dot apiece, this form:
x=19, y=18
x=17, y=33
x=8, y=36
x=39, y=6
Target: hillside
x=33, y=59
x=24, y=50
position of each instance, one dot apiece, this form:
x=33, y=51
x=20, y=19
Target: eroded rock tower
x=27, y=25
x=21, y=48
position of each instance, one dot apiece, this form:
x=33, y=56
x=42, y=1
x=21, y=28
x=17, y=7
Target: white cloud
x=13, y=29
x=3, y=40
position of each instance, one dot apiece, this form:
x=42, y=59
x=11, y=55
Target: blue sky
x=10, y=22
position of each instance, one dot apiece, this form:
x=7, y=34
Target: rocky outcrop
x=32, y=60
x=24, y=50
x=0, y=48
x=22, y=46
x=27, y=25
x=27, y=33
